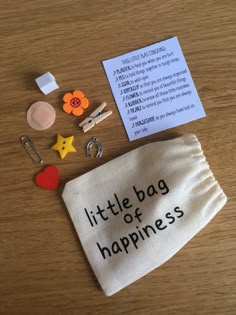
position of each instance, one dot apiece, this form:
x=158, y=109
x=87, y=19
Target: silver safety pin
x=99, y=146
x=31, y=149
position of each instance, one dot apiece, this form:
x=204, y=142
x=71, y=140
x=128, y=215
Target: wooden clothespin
x=95, y=118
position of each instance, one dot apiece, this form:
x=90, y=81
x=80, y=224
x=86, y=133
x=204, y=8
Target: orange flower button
x=75, y=103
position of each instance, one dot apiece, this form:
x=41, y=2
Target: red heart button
x=48, y=178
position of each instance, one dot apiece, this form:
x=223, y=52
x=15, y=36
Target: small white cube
x=47, y=83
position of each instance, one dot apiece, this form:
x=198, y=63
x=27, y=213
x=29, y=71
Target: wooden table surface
x=43, y=269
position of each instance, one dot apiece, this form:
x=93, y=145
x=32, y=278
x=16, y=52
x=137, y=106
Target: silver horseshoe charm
x=99, y=146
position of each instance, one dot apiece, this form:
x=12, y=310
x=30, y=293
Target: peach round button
x=41, y=115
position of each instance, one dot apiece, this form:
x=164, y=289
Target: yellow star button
x=64, y=145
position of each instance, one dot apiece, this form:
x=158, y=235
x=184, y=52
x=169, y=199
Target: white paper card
x=153, y=89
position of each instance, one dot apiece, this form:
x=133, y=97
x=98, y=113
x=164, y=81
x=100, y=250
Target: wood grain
x=43, y=269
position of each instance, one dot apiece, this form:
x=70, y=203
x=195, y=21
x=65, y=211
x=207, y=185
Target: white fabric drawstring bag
x=135, y=212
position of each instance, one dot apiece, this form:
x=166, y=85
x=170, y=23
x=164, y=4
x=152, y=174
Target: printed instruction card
x=153, y=89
